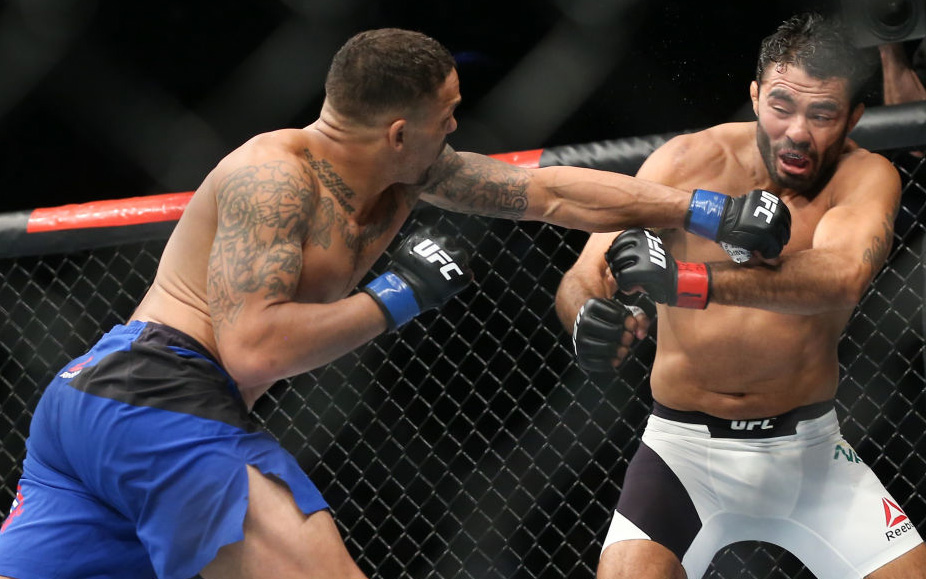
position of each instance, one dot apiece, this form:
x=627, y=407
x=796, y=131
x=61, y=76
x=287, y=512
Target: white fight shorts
x=699, y=483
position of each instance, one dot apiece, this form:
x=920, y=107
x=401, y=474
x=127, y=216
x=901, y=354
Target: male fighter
x=743, y=441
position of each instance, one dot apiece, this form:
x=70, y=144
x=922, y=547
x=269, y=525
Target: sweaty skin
x=767, y=342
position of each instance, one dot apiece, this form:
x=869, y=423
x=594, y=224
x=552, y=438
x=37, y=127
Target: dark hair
x=383, y=70
x=820, y=46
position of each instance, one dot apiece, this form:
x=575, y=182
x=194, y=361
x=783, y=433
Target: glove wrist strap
x=694, y=285
x=395, y=297
x=705, y=212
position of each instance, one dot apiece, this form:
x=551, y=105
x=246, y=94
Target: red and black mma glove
x=758, y=221
x=427, y=270
x=638, y=260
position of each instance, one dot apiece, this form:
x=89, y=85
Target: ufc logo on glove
x=768, y=208
x=413, y=285
x=657, y=255
x=432, y=252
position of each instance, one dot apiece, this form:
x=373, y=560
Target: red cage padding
x=107, y=223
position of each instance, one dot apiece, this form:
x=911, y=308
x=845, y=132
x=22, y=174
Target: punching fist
x=639, y=261
x=758, y=221
x=602, y=334
x=427, y=270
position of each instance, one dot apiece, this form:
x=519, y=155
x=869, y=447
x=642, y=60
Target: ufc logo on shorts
x=768, y=207
x=657, y=254
x=752, y=424
x=433, y=253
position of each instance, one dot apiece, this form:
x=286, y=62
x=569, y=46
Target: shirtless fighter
x=142, y=461
x=743, y=441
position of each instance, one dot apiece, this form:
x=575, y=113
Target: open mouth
x=794, y=161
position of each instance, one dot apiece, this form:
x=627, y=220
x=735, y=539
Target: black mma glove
x=599, y=332
x=638, y=260
x=427, y=270
x=758, y=221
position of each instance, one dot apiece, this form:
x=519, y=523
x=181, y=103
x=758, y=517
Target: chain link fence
x=469, y=445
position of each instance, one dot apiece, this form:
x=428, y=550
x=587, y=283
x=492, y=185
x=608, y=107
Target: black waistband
x=164, y=335
x=767, y=427
x=162, y=367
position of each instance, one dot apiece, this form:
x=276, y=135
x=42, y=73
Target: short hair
x=385, y=70
x=821, y=47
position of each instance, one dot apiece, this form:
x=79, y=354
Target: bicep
x=861, y=222
x=858, y=235
x=256, y=258
x=860, y=225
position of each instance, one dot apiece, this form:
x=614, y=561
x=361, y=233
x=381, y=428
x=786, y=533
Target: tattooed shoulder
x=264, y=216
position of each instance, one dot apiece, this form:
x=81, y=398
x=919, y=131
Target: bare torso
x=341, y=247
x=739, y=362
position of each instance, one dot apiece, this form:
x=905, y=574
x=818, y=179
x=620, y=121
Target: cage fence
x=469, y=444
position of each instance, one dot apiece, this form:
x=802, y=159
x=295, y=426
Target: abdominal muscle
x=742, y=363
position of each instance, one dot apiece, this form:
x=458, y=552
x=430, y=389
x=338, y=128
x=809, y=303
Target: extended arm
x=600, y=201
x=572, y=197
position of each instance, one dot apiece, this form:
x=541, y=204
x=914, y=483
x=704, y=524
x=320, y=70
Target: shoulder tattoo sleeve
x=265, y=213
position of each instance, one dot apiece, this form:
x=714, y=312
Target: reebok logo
x=766, y=424
x=657, y=254
x=895, y=520
x=75, y=369
x=768, y=208
x=433, y=253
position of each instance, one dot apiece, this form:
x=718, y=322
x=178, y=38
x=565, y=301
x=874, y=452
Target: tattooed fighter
x=142, y=461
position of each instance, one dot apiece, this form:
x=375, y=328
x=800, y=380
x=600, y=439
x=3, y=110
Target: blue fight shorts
x=136, y=464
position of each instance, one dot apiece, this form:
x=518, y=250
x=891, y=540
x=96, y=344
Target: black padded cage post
x=469, y=445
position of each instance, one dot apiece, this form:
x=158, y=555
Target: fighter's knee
x=639, y=559
x=911, y=564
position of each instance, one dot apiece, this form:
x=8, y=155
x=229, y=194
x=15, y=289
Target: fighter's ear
x=397, y=134
x=754, y=96
x=855, y=115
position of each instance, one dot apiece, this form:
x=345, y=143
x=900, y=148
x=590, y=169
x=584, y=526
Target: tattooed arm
x=266, y=213
x=850, y=244
x=571, y=197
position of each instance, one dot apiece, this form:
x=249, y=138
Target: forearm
x=900, y=82
x=572, y=197
x=602, y=201
x=289, y=338
x=805, y=283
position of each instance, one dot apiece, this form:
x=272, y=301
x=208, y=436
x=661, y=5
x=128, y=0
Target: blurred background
x=104, y=99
